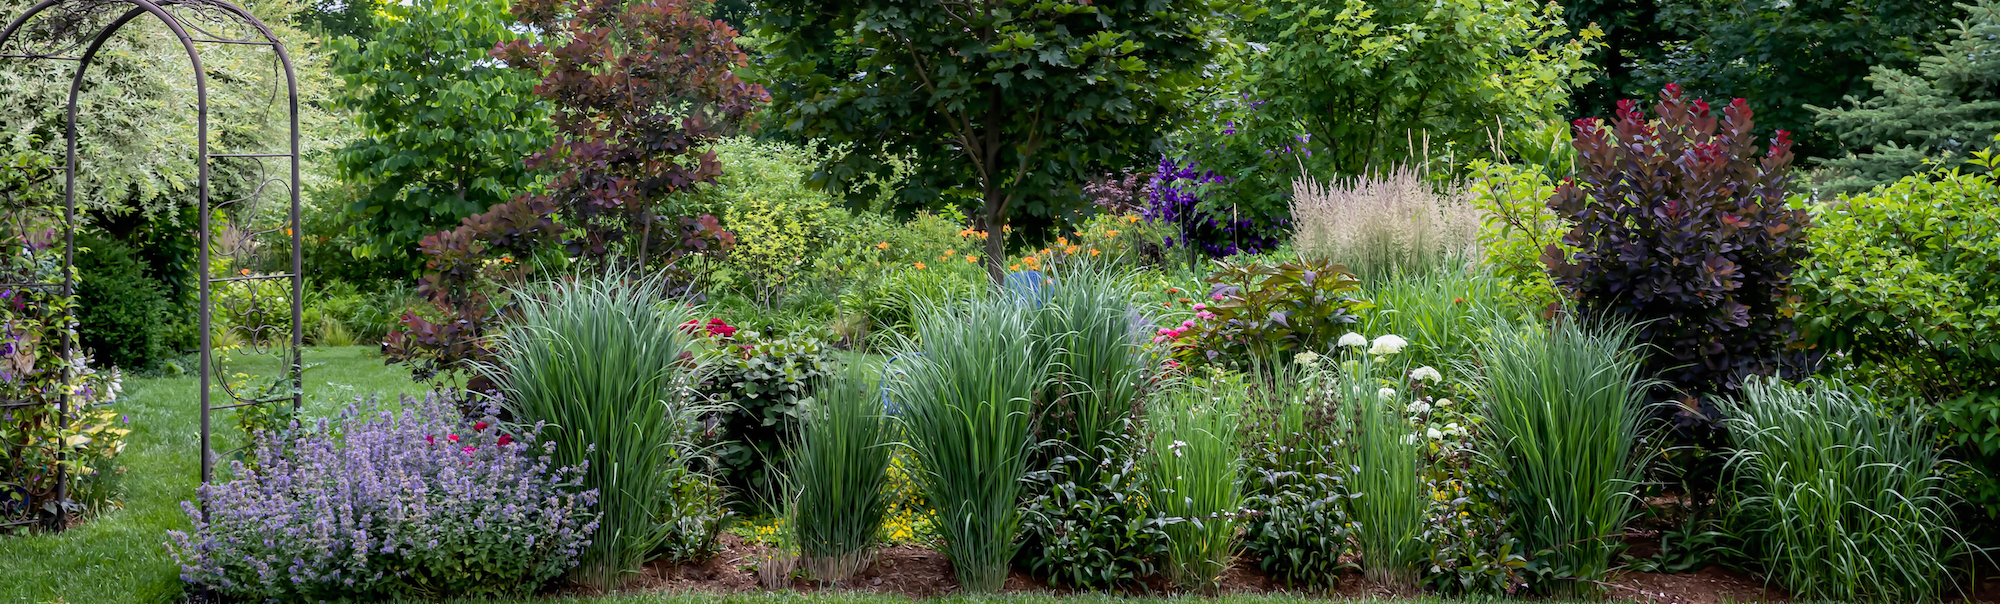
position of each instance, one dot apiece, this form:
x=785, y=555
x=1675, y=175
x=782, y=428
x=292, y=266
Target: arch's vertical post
x=67, y=332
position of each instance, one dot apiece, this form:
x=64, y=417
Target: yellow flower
x=1111, y=233
x=1062, y=241
x=920, y=266
x=1132, y=218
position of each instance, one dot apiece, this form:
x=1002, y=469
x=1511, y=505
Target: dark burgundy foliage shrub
x=1684, y=231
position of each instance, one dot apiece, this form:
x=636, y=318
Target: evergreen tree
x=1947, y=108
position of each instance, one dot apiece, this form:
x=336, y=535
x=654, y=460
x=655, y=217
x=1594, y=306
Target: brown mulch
x=919, y=573
x=1712, y=585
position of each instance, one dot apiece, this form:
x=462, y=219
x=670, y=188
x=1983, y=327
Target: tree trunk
x=994, y=215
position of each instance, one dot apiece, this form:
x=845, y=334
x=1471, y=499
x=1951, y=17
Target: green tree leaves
x=445, y=127
x=1005, y=105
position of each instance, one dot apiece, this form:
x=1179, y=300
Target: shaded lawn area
x=120, y=556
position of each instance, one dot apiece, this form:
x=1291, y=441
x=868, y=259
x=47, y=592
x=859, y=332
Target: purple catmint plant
x=380, y=504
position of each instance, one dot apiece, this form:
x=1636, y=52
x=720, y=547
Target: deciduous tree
x=1007, y=105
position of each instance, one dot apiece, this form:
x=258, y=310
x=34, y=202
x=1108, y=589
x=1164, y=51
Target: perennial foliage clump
x=969, y=404
x=601, y=360
x=379, y=504
x=1837, y=498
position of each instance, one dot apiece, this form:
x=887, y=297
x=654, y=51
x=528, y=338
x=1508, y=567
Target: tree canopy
x=445, y=129
x=1007, y=105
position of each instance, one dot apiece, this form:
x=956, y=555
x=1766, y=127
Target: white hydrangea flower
x=1445, y=402
x=1386, y=345
x=1353, y=339
x=1420, y=407
x=1306, y=358
x=1434, y=434
x=1426, y=373
x=1386, y=393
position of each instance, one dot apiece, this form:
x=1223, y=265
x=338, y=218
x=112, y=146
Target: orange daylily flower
x=882, y=246
x=920, y=266
x=1094, y=252
x=971, y=258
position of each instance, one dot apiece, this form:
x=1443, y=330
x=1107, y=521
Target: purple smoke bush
x=379, y=504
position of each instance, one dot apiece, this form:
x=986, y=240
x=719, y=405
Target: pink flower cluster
x=715, y=327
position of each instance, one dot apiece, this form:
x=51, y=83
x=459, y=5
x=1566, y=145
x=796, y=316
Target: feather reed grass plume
x=1380, y=224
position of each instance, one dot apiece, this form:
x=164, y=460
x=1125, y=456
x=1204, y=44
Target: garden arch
x=56, y=30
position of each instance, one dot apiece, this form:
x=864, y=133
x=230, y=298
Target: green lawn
x=120, y=556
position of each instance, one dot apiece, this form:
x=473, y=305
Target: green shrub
x=1682, y=230
x=1090, y=525
x=1916, y=306
x=1834, y=497
x=1193, y=465
x=1563, y=404
x=839, y=477
x=694, y=511
x=599, y=359
x=764, y=387
x=121, y=313
x=1517, y=226
x=781, y=223
x=968, y=407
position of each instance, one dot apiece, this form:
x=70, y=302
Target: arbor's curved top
x=66, y=28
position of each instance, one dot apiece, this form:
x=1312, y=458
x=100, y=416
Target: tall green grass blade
x=1385, y=474
x=968, y=409
x=839, y=477
x=598, y=359
x=1563, y=404
x=1837, y=498
x=1195, y=471
x=1100, y=357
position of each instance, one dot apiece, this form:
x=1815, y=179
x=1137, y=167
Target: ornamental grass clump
x=1100, y=354
x=1195, y=471
x=383, y=505
x=839, y=477
x=1384, y=224
x=1837, y=498
x=1563, y=404
x=968, y=406
x=601, y=360
x=1385, y=467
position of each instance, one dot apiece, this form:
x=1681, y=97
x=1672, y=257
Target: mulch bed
x=918, y=572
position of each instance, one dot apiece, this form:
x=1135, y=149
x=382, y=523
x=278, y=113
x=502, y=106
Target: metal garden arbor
x=75, y=31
